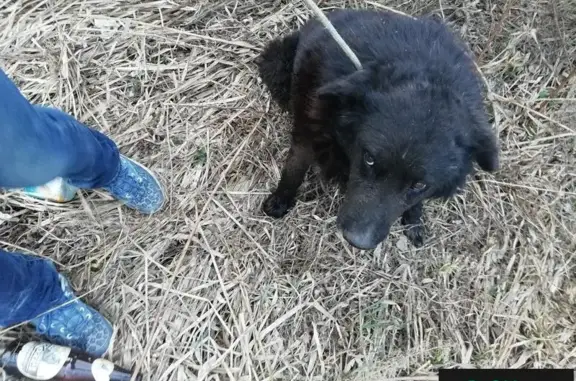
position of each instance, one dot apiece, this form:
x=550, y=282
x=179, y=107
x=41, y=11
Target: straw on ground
x=210, y=289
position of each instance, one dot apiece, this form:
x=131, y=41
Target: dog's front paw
x=415, y=234
x=277, y=206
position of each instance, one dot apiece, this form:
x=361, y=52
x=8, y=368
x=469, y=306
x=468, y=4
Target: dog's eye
x=369, y=160
x=418, y=186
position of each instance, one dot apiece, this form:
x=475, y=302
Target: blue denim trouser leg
x=38, y=144
x=29, y=286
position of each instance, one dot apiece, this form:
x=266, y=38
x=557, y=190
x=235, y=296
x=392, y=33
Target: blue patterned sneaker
x=137, y=187
x=75, y=325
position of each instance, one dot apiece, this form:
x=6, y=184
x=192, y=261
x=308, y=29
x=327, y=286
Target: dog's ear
x=340, y=103
x=484, y=144
x=486, y=150
x=346, y=93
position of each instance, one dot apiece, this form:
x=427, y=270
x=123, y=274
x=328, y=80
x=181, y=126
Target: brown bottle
x=42, y=361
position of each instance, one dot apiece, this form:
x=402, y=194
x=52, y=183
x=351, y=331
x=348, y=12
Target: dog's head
x=407, y=138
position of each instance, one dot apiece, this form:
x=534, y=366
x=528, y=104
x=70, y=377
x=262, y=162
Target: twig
x=334, y=33
x=389, y=9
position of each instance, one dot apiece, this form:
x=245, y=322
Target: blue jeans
x=38, y=144
x=29, y=286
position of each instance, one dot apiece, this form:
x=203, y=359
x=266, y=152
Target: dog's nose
x=360, y=239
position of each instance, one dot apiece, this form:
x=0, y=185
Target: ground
x=210, y=288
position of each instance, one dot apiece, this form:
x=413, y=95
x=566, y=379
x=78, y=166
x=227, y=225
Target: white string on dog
x=334, y=33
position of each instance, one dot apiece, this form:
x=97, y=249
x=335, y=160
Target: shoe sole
x=56, y=190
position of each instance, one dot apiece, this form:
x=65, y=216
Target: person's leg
x=32, y=290
x=38, y=144
x=41, y=143
x=29, y=286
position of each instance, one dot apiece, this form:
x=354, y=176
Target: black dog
x=405, y=128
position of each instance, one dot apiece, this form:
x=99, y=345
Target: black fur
x=276, y=63
x=405, y=128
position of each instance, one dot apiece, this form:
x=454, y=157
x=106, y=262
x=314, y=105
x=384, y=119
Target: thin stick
x=334, y=33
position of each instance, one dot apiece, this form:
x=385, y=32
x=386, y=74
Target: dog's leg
x=412, y=218
x=299, y=159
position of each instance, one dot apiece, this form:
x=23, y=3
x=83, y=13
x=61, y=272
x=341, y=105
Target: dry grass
x=210, y=289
